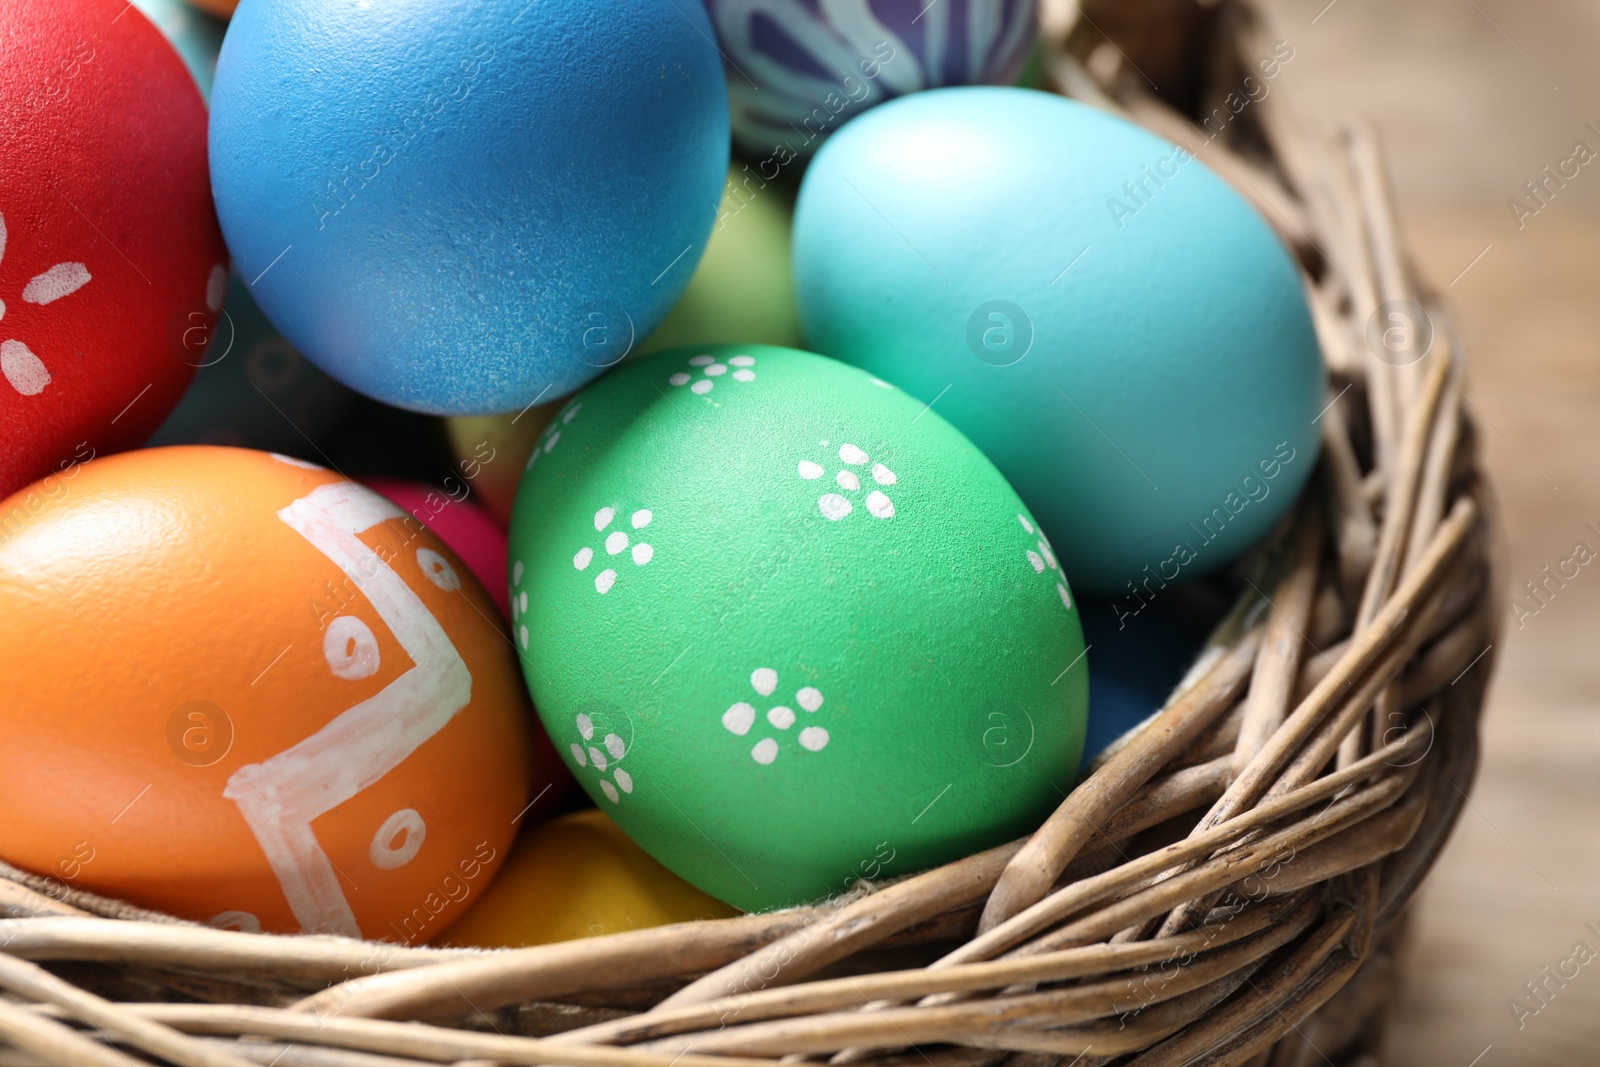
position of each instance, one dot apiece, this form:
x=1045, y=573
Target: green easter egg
x=788, y=627
x=742, y=290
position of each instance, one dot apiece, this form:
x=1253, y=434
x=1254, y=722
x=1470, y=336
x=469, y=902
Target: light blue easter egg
x=196, y=36
x=465, y=206
x=1114, y=326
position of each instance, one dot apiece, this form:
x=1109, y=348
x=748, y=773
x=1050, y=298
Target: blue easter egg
x=465, y=206
x=798, y=70
x=1112, y=324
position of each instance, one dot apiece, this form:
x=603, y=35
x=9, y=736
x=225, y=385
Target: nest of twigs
x=1228, y=885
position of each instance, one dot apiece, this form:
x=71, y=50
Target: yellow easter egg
x=578, y=876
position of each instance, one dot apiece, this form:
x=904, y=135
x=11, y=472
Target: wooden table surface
x=1473, y=99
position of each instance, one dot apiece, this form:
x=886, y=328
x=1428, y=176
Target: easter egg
x=578, y=876
x=467, y=207
x=1110, y=322
x=742, y=292
x=493, y=450
x=238, y=687
x=471, y=534
x=196, y=35
x=251, y=389
x=111, y=263
x=791, y=629
x=797, y=71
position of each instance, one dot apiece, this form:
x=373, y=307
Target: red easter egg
x=111, y=262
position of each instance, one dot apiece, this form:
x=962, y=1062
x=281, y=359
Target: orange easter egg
x=244, y=690
x=579, y=876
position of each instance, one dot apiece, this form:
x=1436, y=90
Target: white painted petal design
x=25, y=371
x=55, y=283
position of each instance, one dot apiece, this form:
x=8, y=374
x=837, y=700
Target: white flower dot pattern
x=1042, y=559
x=604, y=754
x=742, y=716
x=705, y=370
x=617, y=542
x=836, y=506
x=552, y=433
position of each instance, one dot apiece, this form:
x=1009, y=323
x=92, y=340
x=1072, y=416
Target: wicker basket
x=1229, y=885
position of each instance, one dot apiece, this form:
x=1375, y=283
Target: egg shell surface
x=1103, y=316
x=245, y=691
x=798, y=69
x=742, y=291
x=578, y=876
x=465, y=207
x=111, y=263
x=789, y=628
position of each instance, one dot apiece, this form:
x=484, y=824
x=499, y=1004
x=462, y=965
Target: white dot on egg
x=810, y=471
x=643, y=553
x=585, y=726
x=781, y=717
x=1035, y=562
x=1026, y=525
x=577, y=754
x=438, y=570
x=702, y=387
x=814, y=738
x=615, y=746
x=880, y=506
x=551, y=443
x=1066, y=598
x=350, y=648
x=641, y=518
x=609, y=790
x=1049, y=556
x=764, y=680
x=739, y=718
x=571, y=413
x=700, y=361
x=848, y=481
x=834, y=507
x=516, y=573
x=851, y=454
x=883, y=475
x=533, y=458
x=604, y=581
x=715, y=369
x=679, y=378
x=881, y=384
x=765, y=752
x=522, y=636
x=523, y=600
x=743, y=375
x=581, y=560
x=743, y=361
x=603, y=517
x=624, y=779
x=616, y=541
x=809, y=698
x=398, y=840
x=597, y=758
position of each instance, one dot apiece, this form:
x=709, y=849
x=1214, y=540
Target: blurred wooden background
x=1473, y=99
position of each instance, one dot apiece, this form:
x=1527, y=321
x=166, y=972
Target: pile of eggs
x=448, y=496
